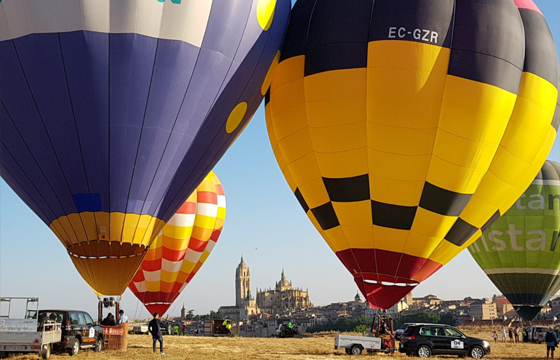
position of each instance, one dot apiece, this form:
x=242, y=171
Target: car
x=536, y=333
x=424, y=340
x=400, y=331
x=79, y=331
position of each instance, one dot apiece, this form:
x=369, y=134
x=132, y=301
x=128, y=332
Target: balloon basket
x=115, y=337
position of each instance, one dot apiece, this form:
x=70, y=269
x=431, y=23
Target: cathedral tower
x=242, y=282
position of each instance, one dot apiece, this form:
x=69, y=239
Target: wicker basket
x=115, y=337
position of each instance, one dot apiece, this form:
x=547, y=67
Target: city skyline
x=264, y=223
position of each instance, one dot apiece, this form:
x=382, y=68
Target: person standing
x=551, y=341
x=504, y=335
x=123, y=319
x=516, y=334
x=495, y=336
x=510, y=333
x=154, y=327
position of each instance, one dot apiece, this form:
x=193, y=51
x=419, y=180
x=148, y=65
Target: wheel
x=46, y=352
x=477, y=352
x=424, y=351
x=98, y=345
x=75, y=349
x=348, y=352
x=356, y=350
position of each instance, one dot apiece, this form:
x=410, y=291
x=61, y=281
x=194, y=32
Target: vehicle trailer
x=381, y=338
x=140, y=329
x=355, y=345
x=24, y=335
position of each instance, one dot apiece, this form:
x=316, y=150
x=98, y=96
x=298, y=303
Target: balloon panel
x=407, y=132
x=181, y=247
x=113, y=112
x=520, y=251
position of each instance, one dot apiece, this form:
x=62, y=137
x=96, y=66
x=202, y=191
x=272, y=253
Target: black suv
x=424, y=340
x=78, y=330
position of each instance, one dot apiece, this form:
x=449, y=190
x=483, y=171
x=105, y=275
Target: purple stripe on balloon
x=85, y=59
x=31, y=149
x=131, y=64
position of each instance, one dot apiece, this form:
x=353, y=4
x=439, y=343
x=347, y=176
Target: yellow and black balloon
x=405, y=127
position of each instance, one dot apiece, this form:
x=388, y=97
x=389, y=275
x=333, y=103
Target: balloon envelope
x=520, y=252
x=404, y=127
x=181, y=247
x=112, y=112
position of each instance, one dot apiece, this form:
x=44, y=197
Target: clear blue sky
x=264, y=223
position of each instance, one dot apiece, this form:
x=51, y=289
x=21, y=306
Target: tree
x=428, y=317
x=448, y=318
x=216, y=315
x=343, y=324
x=361, y=329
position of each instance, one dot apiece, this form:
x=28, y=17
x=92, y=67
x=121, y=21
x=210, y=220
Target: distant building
x=283, y=297
x=242, y=282
x=245, y=304
x=555, y=304
x=425, y=301
x=503, y=306
x=408, y=299
x=231, y=312
x=483, y=310
x=184, y=312
x=432, y=300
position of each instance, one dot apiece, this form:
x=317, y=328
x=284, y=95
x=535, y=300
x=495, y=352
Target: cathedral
x=283, y=297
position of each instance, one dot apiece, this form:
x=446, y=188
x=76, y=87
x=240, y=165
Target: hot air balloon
x=403, y=127
x=181, y=247
x=112, y=112
x=520, y=251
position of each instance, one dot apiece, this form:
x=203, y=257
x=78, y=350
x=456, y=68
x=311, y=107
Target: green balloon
x=520, y=251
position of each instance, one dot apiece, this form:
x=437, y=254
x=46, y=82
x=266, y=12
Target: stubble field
x=313, y=347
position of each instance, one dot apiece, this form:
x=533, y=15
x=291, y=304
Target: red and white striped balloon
x=181, y=247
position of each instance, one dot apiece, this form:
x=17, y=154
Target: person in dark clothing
x=154, y=327
x=382, y=328
x=109, y=320
x=551, y=343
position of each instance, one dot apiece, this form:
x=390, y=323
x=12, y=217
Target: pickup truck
x=24, y=335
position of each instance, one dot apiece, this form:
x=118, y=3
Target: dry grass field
x=316, y=347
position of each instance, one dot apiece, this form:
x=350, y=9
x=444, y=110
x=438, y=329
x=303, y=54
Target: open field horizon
x=313, y=346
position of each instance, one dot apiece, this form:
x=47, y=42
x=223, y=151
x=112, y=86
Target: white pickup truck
x=24, y=335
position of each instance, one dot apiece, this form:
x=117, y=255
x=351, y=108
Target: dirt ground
x=316, y=347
